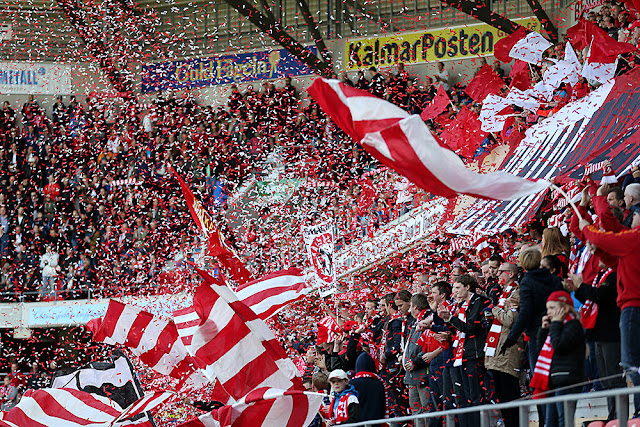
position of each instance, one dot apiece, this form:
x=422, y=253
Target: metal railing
x=621, y=396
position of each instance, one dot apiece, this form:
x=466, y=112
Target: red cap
x=561, y=296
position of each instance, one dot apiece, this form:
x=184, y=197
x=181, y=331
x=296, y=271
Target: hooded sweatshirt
x=370, y=389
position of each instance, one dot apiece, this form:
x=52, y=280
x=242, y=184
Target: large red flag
x=485, y=82
x=405, y=144
x=464, y=135
x=604, y=48
x=437, y=105
x=520, y=76
x=503, y=46
x=217, y=246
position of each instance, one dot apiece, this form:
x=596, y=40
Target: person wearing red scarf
x=468, y=366
x=598, y=314
x=505, y=368
x=561, y=359
x=621, y=251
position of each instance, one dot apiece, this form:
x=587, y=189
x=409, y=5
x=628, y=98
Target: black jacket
x=605, y=329
x=567, y=364
x=371, y=393
x=393, y=345
x=535, y=288
x=474, y=327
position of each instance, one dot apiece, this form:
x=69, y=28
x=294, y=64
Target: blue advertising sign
x=225, y=69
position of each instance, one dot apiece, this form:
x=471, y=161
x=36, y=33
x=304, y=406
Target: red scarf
x=542, y=371
x=364, y=374
x=496, y=327
x=458, y=343
x=589, y=311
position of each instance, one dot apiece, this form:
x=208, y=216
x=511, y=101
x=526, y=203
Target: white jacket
x=49, y=263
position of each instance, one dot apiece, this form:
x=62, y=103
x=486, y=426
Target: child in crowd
x=345, y=407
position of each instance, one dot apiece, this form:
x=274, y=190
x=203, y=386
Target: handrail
x=622, y=407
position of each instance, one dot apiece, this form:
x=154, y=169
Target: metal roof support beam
x=274, y=30
x=121, y=80
x=314, y=30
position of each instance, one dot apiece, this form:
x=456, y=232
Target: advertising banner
x=224, y=69
x=34, y=78
x=319, y=241
x=425, y=46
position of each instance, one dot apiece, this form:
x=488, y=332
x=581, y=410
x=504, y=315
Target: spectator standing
x=468, y=354
x=9, y=394
x=598, y=313
x=370, y=388
x=377, y=84
x=622, y=250
x=442, y=76
x=505, y=368
x=50, y=268
x=561, y=340
x=345, y=406
x=417, y=369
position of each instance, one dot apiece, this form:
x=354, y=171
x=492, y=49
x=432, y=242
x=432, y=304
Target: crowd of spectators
x=468, y=327
x=89, y=206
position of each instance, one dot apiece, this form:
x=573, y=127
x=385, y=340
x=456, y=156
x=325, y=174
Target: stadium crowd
x=87, y=194
x=469, y=328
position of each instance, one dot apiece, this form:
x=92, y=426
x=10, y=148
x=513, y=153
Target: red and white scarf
x=385, y=334
x=364, y=374
x=496, y=327
x=458, y=343
x=589, y=311
x=542, y=371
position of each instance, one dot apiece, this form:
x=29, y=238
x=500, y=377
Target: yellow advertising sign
x=428, y=45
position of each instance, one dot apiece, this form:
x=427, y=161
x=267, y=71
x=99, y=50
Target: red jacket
x=625, y=246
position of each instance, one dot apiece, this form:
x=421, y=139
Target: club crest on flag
x=319, y=240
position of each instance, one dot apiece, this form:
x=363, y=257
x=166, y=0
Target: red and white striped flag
x=328, y=330
x=270, y=293
x=405, y=144
x=152, y=338
x=146, y=403
x=64, y=407
x=264, y=296
x=235, y=346
x=264, y=408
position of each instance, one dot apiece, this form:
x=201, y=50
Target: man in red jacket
x=624, y=249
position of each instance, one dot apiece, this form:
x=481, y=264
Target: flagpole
x=566, y=196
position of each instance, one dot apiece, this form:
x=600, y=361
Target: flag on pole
x=522, y=45
x=437, y=106
x=235, y=346
x=502, y=47
x=264, y=407
x=217, y=244
x=484, y=83
x=116, y=380
x=61, y=407
x=269, y=294
x=319, y=241
x=464, y=135
x=405, y=144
